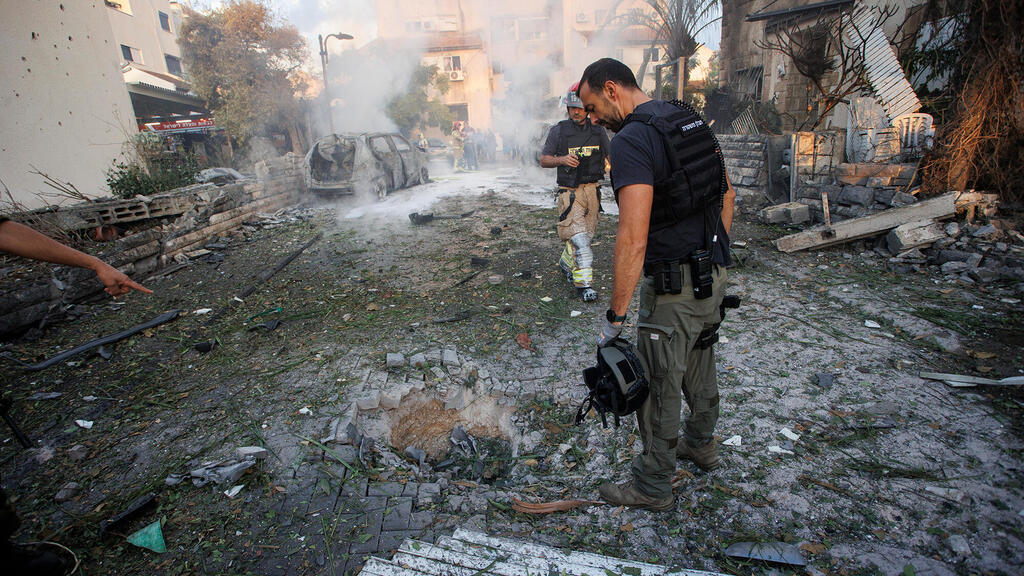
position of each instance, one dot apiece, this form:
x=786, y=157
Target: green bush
x=150, y=170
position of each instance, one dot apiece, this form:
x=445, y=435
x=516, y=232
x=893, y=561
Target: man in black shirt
x=658, y=242
x=578, y=149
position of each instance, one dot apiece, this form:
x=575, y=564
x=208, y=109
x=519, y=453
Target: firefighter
x=579, y=150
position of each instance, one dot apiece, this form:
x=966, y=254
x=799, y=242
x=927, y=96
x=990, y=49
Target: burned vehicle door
x=330, y=164
x=391, y=162
x=409, y=164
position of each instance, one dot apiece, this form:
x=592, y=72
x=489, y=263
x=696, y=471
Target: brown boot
x=626, y=494
x=705, y=457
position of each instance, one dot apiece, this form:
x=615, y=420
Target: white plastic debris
x=778, y=450
x=305, y=411
x=789, y=434
x=978, y=307
x=89, y=398
x=546, y=299
x=723, y=339
x=202, y=311
x=574, y=313
x=872, y=324
x=736, y=440
x=87, y=424
x=234, y=490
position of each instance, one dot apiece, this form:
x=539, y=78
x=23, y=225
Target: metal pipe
x=323, y=63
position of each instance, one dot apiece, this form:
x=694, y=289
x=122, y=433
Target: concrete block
x=884, y=195
x=251, y=452
x=395, y=360
x=914, y=235
x=902, y=199
x=857, y=196
x=418, y=360
x=798, y=213
x=878, y=181
x=773, y=214
x=449, y=357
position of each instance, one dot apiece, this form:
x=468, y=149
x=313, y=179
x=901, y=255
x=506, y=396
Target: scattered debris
x=575, y=313
x=872, y=324
x=141, y=503
x=545, y=299
x=958, y=544
x=87, y=424
x=456, y=317
x=773, y=449
x=523, y=339
x=45, y=395
x=961, y=381
x=549, y=507
x=463, y=442
x=789, y=434
x=203, y=311
x=419, y=219
x=736, y=440
x=305, y=411
x=268, y=274
x=165, y=317
x=251, y=452
x=68, y=492
x=269, y=325
x=151, y=537
x=774, y=552
x=394, y=360
x=205, y=347
x=234, y=490
x=824, y=379
x=78, y=452
x=226, y=472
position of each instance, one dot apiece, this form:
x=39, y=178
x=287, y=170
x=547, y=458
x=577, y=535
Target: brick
x=878, y=181
x=398, y=514
x=385, y=489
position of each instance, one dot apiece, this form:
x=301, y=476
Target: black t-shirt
x=638, y=157
x=589, y=142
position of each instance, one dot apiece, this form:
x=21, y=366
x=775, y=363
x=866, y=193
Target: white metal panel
x=883, y=70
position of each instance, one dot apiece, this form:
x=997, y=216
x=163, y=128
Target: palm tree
x=675, y=25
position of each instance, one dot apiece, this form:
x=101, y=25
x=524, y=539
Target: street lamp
x=323, y=63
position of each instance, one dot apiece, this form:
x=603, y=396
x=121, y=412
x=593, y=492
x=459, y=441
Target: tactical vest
x=696, y=180
x=591, y=168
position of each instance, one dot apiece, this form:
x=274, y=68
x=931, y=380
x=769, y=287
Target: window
x=165, y=21
x=400, y=143
x=173, y=64
x=131, y=54
x=452, y=63
x=379, y=145
x=653, y=53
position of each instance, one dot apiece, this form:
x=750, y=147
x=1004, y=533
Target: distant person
x=675, y=212
x=458, y=140
x=422, y=143
x=21, y=240
x=472, y=151
x=578, y=149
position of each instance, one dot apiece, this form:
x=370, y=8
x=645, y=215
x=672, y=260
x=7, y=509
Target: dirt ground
x=888, y=473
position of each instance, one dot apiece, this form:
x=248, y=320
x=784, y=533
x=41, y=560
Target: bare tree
x=675, y=25
x=830, y=52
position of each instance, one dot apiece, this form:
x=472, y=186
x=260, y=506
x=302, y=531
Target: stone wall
x=167, y=228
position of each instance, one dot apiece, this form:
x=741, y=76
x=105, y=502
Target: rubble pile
x=164, y=229
x=970, y=253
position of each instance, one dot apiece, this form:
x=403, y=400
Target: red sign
x=177, y=125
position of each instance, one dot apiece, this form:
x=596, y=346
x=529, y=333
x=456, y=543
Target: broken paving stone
x=418, y=360
x=883, y=408
x=67, y=492
x=225, y=473
x=395, y=360
x=959, y=545
x=450, y=358
x=495, y=279
x=775, y=552
x=948, y=493
x=368, y=401
x=391, y=399
x=416, y=455
x=78, y=452
x=251, y=452
x=789, y=434
x=824, y=379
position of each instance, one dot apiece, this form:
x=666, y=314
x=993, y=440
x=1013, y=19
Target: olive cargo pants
x=667, y=334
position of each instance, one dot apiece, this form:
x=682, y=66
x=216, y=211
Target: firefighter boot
x=705, y=457
x=627, y=494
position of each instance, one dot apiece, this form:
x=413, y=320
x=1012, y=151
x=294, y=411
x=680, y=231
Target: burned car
x=378, y=162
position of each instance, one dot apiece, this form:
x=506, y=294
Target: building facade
x=66, y=112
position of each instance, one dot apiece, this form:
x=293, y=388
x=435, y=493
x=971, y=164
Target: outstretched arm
x=23, y=241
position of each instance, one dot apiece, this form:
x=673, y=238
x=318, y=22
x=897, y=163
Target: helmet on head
x=571, y=99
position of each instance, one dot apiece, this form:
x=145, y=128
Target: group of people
x=676, y=209
x=469, y=146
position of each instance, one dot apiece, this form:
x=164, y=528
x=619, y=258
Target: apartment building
x=146, y=44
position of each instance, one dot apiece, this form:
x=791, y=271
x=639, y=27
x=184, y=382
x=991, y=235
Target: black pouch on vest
x=700, y=273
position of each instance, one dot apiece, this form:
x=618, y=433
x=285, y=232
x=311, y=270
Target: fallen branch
x=549, y=507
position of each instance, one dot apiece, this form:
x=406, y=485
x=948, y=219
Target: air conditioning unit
x=456, y=75
x=581, y=17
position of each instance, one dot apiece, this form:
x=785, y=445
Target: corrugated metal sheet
x=884, y=73
x=468, y=553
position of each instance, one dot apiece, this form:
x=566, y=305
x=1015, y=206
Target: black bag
x=617, y=384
